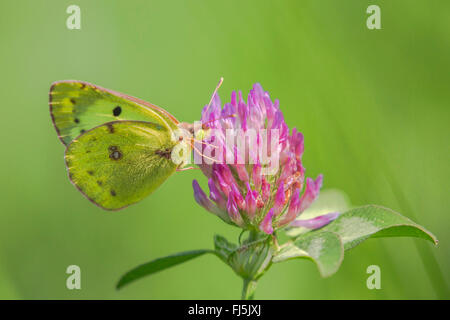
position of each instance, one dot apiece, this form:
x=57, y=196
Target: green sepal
x=250, y=260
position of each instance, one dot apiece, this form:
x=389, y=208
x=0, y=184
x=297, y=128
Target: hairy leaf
x=356, y=225
x=325, y=249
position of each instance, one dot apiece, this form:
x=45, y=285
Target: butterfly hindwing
x=77, y=106
x=119, y=163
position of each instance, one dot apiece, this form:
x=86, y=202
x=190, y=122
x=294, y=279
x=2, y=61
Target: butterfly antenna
x=204, y=125
x=215, y=91
x=205, y=143
x=202, y=155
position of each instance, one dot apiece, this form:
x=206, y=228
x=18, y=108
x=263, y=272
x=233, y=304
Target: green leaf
x=356, y=225
x=325, y=249
x=159, y=265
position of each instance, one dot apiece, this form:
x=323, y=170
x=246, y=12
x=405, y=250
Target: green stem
x=248, y=290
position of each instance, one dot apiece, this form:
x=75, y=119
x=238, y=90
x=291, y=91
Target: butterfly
x=119, y=148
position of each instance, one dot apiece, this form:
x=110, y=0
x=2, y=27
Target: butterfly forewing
x=78, y=106
x=119, y=163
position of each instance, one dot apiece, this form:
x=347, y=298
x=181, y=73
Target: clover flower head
x=256, y=181
x=254, y=165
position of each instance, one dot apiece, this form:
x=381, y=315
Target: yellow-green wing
x=121, y=162
x=77, y=106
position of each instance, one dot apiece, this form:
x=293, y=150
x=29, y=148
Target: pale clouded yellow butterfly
x=118, y=148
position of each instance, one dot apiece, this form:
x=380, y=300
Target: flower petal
x=201, y=199
x=311, y=193
x=250, y=201
x=265, y=190
x=215, y=195
x=238, y=198
x=280, y=197
x=292, y=210
x=222, y=183
x=256, y=176
x=233, y=211
x=317, y=222
x=266, y=224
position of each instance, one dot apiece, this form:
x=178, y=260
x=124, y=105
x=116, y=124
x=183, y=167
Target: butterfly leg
x=188, y=168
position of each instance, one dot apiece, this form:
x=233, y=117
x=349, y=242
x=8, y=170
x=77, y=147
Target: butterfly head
x=193, y=133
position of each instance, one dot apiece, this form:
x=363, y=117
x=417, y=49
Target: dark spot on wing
x=113, y=193
x=110, y=128
x=90, y=172
x=99, y=182
x=76, y=120
x=88, y=151
x=114, y=153
x=117, y=111
x=72, y=100
x=82, y=86
x=82, y=131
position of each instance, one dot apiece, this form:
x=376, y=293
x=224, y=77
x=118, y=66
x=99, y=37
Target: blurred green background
x=373, y=106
